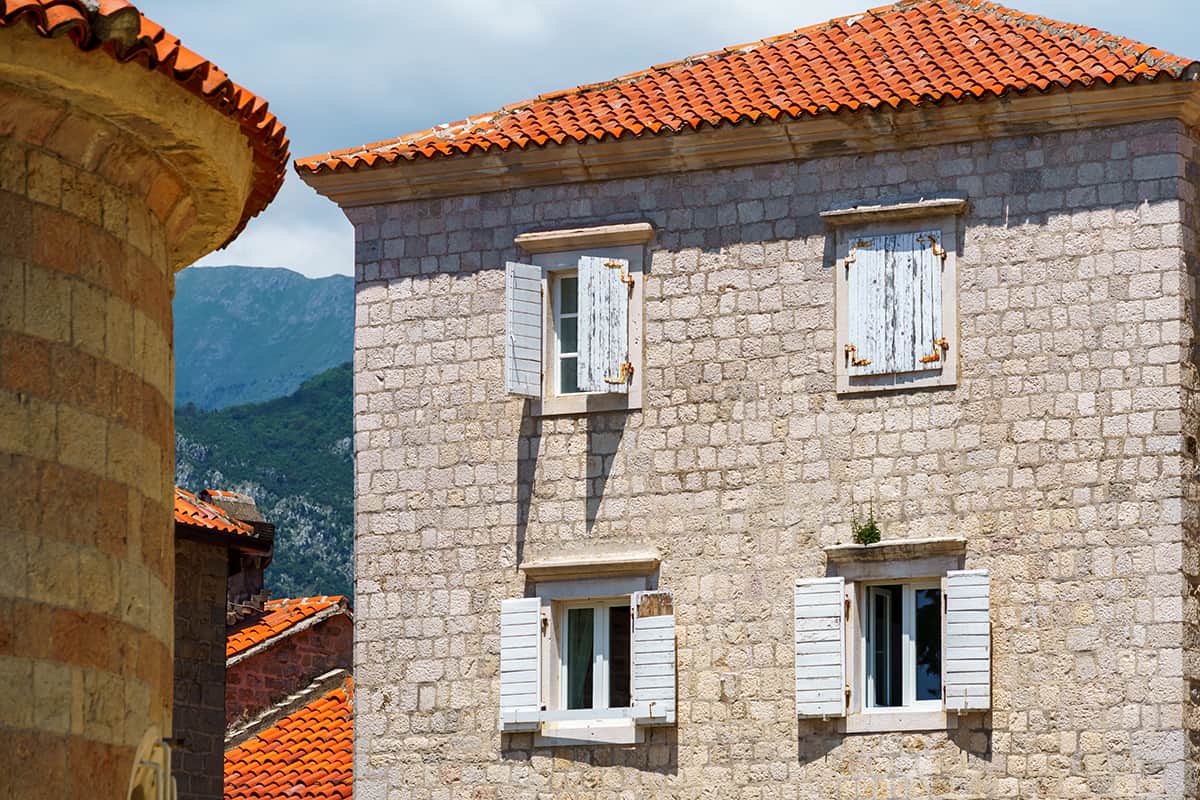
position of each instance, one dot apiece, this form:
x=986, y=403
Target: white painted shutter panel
x=895, y=303
x=868, y=338
x=523, y=329
x=916, y=319
x=653, y=657
x=520, y=663
x=967, y=643
x=603, y=325
x=820, y=614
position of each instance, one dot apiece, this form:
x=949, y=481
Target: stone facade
x=1065, y=456
x=288, y=666
x=200, y=669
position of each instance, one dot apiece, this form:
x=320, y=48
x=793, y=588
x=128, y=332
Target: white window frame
x=555, y=280
x=558, y=253
x=908, y=657
x=601, y=649
x=855, y=223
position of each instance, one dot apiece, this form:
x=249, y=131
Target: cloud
x=341, y=74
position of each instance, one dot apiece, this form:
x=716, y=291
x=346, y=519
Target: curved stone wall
x=92, y=210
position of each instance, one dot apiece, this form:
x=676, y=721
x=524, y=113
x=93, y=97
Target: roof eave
x=845, y=133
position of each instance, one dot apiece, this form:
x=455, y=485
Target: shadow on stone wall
x=604, y=433
x=658, y=754
x=529, y=442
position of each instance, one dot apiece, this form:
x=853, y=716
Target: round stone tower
x=123, y=158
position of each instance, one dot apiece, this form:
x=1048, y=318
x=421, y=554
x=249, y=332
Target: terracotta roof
x=914, y=53
x=282, y=616
x=306, y=755
x=191, y=510
x=117, y=28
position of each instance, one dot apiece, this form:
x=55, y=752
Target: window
x=594, y=656
x=566, y=332
x=896, y=291
x=892, y=654
x=579, y=668
x=903, y=648
x=573, y=340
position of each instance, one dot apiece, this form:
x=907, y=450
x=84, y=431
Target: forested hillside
x=294, y=456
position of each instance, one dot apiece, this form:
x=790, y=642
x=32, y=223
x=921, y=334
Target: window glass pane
x=568, y=335
x=884, y=648
x=568, y=298
x=618, y=661
x=929, y=644
x=568, y=375
x=580, y=656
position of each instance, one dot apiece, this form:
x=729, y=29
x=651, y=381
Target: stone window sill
x=898, y=721
x=568, y=734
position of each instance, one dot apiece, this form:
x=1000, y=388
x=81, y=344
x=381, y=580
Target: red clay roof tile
x=191, y=510
x=307, y=755
x=282, y=614
x=914, y=53
x=117, y=28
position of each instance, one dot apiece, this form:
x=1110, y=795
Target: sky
x=343, y=73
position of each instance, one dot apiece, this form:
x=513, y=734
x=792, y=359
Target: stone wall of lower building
x=1057, y=456
x=199, y=707
x=265, y=678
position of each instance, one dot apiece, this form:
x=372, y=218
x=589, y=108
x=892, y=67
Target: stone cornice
x=845, y=133
x=576, y=238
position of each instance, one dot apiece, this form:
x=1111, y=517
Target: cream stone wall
x=97, y=209
x=1060, y=457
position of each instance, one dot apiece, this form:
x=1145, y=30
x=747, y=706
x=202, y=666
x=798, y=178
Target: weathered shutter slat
x=917, y=311
x=603, y=325
x=867, y=328
x=894, y=303
x=820, y=639
x=520, y=663
x=967, y=642
x=653, y=656
x=523, y=329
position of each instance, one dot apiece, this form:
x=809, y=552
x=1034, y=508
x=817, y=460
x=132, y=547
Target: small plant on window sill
x=866, y=531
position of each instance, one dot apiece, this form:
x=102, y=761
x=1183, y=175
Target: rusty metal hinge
x=623, y=376
x=851, y=352
x=939, y=346
x=624, y=277
x=938, y=250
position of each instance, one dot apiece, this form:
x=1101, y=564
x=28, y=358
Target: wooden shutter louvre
x=868, y=343
x=653, y=656
x=894, y=304
x=523, y=329
x=603, y=364
x=820, y=638
x=967, y=642
x=520, y=663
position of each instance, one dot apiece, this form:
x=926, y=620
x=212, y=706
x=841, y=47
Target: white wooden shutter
x=916, y=271
x=653, y=657
x=523, y=329
x=967, y=641
x=820, y=614
x=603, y=325
x=520, y=663
x=894, y=304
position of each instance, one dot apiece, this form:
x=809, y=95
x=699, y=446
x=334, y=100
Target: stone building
x=635, y=361
x=222, y=552
x=123, y=158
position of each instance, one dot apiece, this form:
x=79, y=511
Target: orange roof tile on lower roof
x=191, y=510
x=306, y=755
x=282, y=616
x=119, y=29
x=914, y=53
